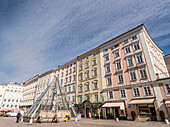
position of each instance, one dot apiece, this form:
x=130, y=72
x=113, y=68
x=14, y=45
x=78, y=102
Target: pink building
x=67, y=77
x=130, y=64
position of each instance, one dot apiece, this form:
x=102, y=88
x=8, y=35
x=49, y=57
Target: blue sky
x=38, y=35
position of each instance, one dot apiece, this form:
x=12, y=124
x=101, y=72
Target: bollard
x=75, y=119
x=166, y=121
x=117, y=119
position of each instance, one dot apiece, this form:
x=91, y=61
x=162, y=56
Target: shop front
x=167, y=106
x=113, y=110
x=145, y=109
x=86, y=108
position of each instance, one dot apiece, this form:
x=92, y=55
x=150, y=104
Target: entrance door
x=110, y=113
x=117, y=112
x=87, y=111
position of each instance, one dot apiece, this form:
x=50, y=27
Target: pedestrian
x=18, y=117
x=55, y=119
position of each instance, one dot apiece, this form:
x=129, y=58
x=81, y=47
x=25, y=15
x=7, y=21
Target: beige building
x=89, y=83
x=29, y=93
x=2, y=93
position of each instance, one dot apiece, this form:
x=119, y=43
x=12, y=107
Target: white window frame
x=118, y=65
x=132, y=77
x=108, y=81
x=165, y=88
x=116, y=54
x=140, y=60
x=142, y=69
x=109, y=95
x=136, y=46
x=107, y=69
x=121, y=79
x=106, y=60
x=129, y=47
x=124, y=93
x=147, y=91
x=130, y=58
x=134, y=91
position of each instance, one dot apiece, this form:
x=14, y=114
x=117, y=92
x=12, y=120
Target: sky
x=38, y=35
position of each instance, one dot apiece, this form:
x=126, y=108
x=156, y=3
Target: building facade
x=89, y=83
x=13, y=95
x=2, y=93
x=28, y=97
x=129, y=63
x=167, y=62
x=67, y=77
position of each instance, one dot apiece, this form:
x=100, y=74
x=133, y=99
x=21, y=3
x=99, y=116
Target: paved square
x=11, y=122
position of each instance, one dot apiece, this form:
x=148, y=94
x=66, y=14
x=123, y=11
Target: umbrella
x=9, y=109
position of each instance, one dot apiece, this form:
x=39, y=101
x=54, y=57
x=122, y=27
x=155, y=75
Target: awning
x=141, y=101
x=167, y=102
x=114, y=104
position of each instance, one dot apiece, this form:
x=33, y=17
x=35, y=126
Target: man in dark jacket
x=18, y=117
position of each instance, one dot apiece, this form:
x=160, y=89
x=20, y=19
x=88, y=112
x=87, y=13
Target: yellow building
x=89, y=83
x=2, y=93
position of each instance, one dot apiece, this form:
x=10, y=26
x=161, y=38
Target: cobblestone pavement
x=10, y=122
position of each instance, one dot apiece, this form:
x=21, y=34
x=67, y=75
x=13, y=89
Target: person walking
x=18, y=117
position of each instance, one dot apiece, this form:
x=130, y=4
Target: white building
x=12, y=96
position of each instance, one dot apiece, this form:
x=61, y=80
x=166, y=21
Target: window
x=139, y=59
x=69, y=88
x=87, y=65
x=67, y=66
x=81, y=77
x=120, y=78
x=74, y=63
x=123, y=93
x=8, y=100
x=147, y=91
x=132, y=75
x=87, y=87
x=136, y=92
x=125, y=41
x=106, y=58
x=106, y=50
x=116, y=53
x=81, y=89
x=62, y=74
x=67, y=72
x=116, y=46
x=136, y=46
x=134, y=37
x=107, y=68
x=69, y=78
x=95, y=72
x=4, y=100
x=66, y=80
x=70, y=71
x=74, y=69
x=143, y=73
x=111, y=95
x=87, y=97
x=74, y=77
x=69, y=98
x=95, y=85
x=61, y=81
x=16, y=100
x=96, y=97
x=109, y=81
x=74, y=87
x=94, y=62
x=80, y=98
x=118, y=65
x=167, y=89
x=73, y=98
x=81, y=67
x=130, y=61
x=127, y=50
x=58, y=75
x=87, y=74
x=65, y=89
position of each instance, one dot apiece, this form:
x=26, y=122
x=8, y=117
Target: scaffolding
x=51, y=102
